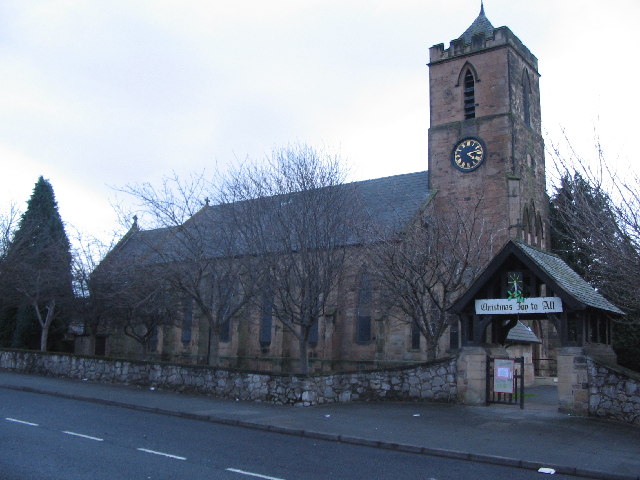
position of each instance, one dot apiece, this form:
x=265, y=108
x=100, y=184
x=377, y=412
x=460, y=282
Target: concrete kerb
x=406, y=448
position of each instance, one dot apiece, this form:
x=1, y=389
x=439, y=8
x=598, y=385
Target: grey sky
x=104, y=93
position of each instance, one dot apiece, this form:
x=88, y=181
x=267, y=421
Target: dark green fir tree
x=36, y=272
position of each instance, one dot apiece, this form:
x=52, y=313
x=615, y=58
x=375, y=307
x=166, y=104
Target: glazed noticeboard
x=503, y=375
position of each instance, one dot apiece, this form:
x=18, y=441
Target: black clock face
x=468, y=154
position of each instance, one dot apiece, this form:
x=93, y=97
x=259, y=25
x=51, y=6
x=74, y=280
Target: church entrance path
x=537, y=398
x=541, y=397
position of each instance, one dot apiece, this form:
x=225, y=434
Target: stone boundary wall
x=614, y=391
x=434, y=381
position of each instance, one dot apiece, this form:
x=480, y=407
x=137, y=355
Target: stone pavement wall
x=614, y=392
x=434, y=381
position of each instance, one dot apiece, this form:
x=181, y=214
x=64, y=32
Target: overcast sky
x=98, y=94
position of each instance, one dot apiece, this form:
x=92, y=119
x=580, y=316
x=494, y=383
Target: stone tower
x=485, y=141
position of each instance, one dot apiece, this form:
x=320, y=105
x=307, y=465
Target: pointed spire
x=480, y=25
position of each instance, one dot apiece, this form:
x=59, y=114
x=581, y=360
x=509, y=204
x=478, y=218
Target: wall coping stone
x=616, y=368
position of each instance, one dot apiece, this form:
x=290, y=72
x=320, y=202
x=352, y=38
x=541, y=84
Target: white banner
x=502, y=306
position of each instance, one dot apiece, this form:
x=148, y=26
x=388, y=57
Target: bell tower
x=485, y=141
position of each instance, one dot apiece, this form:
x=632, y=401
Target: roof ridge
x=538, y=249
x=387, y=177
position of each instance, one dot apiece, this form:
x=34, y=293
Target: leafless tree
x=596, y=222
x=595, y=213
x=426, y=267
x=8, y=224
x=196, y=246
x=297, y=216
x=135, y=299
x=89, y=316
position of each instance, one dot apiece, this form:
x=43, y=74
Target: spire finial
x=206, y=201
x=481, y=7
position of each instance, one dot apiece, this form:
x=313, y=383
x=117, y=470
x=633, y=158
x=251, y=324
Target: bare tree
x=196, y=246
x=136, y=299
x=8, y=224
x=87, y=252
x=596, y=224
x=426, y=267
x=595, y=214
x=296, y=215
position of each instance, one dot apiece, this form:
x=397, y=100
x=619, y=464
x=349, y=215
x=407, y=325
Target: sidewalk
x=535, y=437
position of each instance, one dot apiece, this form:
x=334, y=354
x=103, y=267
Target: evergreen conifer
x=36, y=275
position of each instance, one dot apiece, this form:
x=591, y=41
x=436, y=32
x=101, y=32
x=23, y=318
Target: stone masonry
x=614, y=391
x=434, y=381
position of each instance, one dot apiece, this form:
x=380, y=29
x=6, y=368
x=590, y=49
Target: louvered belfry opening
x=469, y=96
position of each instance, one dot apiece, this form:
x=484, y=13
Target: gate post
x=573, y=381
x=471, y=375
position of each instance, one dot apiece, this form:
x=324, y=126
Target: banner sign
x=503, y=306
x=503, y=376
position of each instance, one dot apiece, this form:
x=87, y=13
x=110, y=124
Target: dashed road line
x=175, y=457
x=88, y=437
x=15, y=420
x=251, y=474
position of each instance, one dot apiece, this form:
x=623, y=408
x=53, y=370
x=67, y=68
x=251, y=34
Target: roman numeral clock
x=468, y=154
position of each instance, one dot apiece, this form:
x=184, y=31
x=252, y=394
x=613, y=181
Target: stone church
x=485, y=148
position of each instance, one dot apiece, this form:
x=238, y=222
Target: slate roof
x=568, y=279
x=549, y=268
x=390, y=202
x=393, y=201
x=522, y=334
x=480, y=25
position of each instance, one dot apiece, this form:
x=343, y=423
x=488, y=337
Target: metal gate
x=516, y=376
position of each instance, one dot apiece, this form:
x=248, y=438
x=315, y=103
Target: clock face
x=468, y=154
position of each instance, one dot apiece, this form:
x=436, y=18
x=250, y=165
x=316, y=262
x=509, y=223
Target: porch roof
x=550, y=269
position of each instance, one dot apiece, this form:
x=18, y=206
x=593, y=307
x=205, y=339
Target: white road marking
x=176, y=457
x=88, y=437
x=22, y=422
x=251, y=474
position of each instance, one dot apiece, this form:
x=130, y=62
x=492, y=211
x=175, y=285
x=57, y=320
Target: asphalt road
x=50, y=438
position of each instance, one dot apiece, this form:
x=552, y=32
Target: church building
x=486, y=152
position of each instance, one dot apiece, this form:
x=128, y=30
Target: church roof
x=393, y=201
x=480, y=25
x=390, y=203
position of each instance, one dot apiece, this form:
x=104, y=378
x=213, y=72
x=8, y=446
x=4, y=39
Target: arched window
x=416, y=334
x=526, y=225
x=226, y=292
x=266, y=319
x=187, y=319
x=539, y=229
x=365, y=297
x=225, y=330
x=469, y=95
x=313, y=333
x=526, y=98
